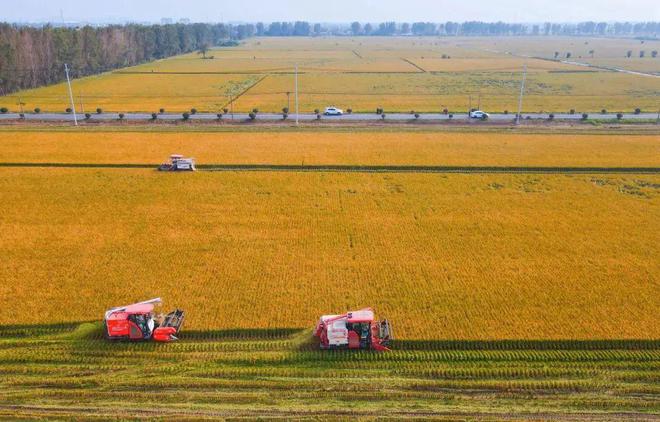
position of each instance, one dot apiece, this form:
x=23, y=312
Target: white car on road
x=333, y=111
x=478, y=114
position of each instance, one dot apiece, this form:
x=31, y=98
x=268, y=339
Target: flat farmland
x=363, y=73
x=148, y=93
x=433, y=92
x=610, y=52
x=332, y=148
x=446, y=256
x=74, y=374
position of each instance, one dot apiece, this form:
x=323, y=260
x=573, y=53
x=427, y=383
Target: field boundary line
x=426, y=169
x=244, y=91
x=415, y=65
x=341, y=168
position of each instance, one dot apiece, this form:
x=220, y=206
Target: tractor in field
x=354, y=330
x=137, y=322
x=178, y=163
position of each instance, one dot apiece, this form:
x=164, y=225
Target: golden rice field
x=397, y=74
x=320, y=147
x=433, y=92
x=606, y=51
x=444, y=256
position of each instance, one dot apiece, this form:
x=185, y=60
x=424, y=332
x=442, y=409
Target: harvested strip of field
x=69, y=373
x=330, y=148
x=443, y=256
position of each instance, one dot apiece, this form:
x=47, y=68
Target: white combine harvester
x=178, y=163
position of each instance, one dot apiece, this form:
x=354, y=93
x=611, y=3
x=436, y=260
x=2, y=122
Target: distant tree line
x=35, y=56
x=472, y=28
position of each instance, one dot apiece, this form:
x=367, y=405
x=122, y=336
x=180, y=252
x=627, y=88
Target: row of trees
x=31, y=57
x=472, y=28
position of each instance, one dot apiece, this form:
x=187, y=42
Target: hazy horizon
x=338, y=11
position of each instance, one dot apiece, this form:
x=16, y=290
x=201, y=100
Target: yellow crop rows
x=369, y=148
x=445, y=256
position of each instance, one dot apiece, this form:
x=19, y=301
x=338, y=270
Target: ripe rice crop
x=116, y=92
x=610, y=52
x=495, y=91
x=443, y=256
x=368, y=148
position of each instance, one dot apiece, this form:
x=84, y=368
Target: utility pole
x=288, y=101
x=231, y=105
x=470, y=105
x=296, y=84
x=73, y=105
x=522, y=91
x=82, y=105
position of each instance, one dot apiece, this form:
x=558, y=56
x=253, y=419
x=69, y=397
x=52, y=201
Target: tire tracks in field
x=60, y=411
x=340, y=168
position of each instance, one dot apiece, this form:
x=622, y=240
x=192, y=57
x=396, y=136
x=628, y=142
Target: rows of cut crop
x=232, y=375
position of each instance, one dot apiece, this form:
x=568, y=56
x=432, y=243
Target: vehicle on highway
x=333, y=111
x=478, y=114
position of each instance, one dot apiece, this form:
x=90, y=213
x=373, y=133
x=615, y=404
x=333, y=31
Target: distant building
x=166, y=21
x=184, y=21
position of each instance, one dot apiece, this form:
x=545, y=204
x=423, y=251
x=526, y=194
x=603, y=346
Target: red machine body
x=354, y=330
x=137, y=322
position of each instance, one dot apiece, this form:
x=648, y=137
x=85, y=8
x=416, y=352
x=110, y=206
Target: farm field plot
x=606, y=51
x=74, y=375
x=444, y=256
x=319, y=147
x=397, y=74
x=276, y=61
x=148, y=93
x=433, y=92
x=489, y=64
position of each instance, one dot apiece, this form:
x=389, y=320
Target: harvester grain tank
x=137, y=322
x=354, y=330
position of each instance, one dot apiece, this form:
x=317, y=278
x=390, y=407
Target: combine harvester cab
x=178, y=163
x=137, y=322
x=354, y=330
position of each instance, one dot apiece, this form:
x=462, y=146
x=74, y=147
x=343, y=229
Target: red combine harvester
x=137, y=322
x=354, y=330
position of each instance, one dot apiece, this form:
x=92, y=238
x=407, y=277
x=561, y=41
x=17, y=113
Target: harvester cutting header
x=138, y=322
x=354, y=330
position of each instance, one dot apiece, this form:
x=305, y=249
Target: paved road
x=356, y=117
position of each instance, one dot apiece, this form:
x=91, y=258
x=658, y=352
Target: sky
x=101, y=11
